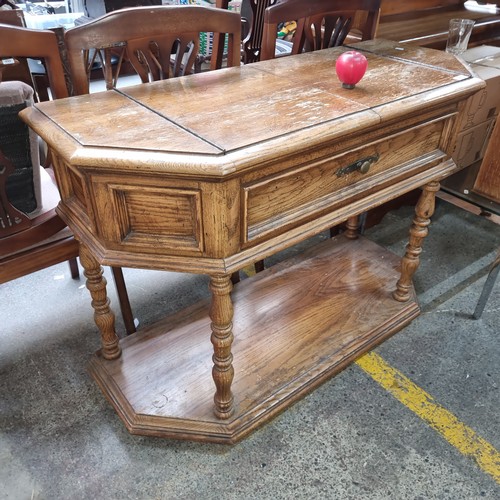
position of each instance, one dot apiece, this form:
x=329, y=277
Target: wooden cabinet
x=211, y=172
x=425, y=22
x=487, y=182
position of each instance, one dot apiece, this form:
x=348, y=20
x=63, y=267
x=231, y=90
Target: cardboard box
x=485, y=105
x=471, y=143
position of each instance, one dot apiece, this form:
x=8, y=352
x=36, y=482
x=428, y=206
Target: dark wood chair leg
x=334, y=231
x=259, y=266
x=235, y=277
x=126, y=310
x=73, y=267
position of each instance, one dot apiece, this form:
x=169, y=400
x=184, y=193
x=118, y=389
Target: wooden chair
x=32, y=235
x=158, y=42
x=252, y=21
x=21, y=71
x=253, y=11
x=320, y=23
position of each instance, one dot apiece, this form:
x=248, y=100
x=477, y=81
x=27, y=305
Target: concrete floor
x=349, y=439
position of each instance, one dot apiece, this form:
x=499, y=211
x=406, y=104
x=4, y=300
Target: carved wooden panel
x=72, y=189
x=77, y=186
x=160, y=218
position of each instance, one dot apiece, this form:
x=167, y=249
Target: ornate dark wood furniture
x=253, y=13
x=198, y=190
x=320, y=23
x=159, y=42
x=425, y=22
x=31, y=243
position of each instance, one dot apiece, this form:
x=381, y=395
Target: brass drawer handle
x=362, y=166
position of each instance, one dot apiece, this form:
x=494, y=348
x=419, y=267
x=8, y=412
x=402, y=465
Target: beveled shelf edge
x=240, y=425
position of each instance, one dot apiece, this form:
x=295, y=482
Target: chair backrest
x=31, y=243
x=24, y=221
x=159, y=42
x=21, y=177
x=320, y=23
x=253, y=11
x=22, y=180
x=12, y=15
x=20, y=183
x=21, y=43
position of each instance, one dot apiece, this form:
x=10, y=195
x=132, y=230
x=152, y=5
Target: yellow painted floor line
x=463, y=438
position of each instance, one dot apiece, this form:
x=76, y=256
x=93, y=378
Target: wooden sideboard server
x=211, y=172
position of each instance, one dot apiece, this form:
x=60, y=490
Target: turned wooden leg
x=221, y=314
x=103, y=315
x=351, y=228
x=418, y=231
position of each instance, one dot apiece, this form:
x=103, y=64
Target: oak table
x=212, y=172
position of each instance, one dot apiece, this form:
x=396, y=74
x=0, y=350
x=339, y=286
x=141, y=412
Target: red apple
x=350, y=68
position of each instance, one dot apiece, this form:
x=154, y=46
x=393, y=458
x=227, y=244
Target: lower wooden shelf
x=295, y=325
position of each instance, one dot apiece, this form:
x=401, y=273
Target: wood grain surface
x=211, y=172
x=312, y=316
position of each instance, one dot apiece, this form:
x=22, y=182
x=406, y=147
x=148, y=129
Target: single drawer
x=278, y=202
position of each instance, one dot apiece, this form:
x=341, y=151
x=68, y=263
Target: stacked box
x=479, y=118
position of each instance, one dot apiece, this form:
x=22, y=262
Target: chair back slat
x=157, y=42
x=320, y=23
x=252, y=43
